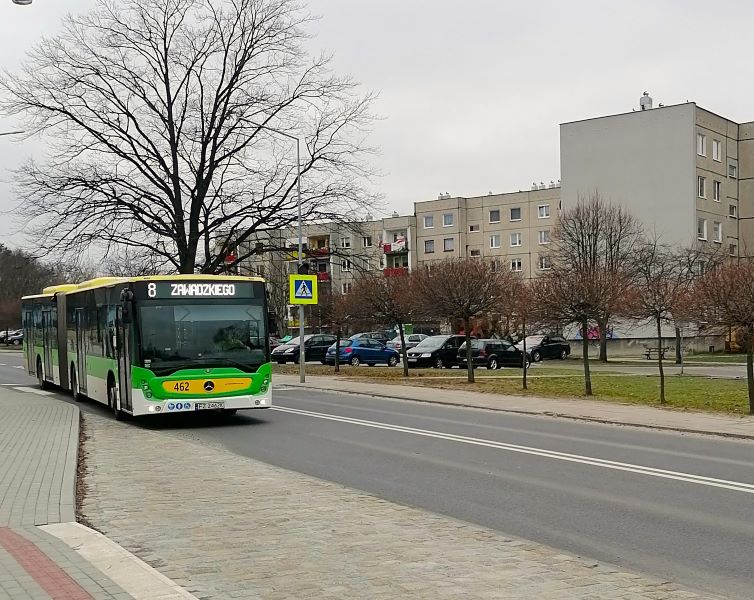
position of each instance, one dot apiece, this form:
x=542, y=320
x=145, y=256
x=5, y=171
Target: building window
x=429, y=222
x=429, y=246
x=701, y=144
x=495, y=241
x=543, y=211
x=345, y=242
x=545, y=264
x=515, y=239
x=447, y=219
x=366, y=241
x=345, y=287
x=717, y=150
x=448, y=245
x=701, y=184
x=544, y=236
x=345, y=265
x=475, y=253
x=732, y=171
x=322, y=267
x=717, y=231
x=516, y=265
x=701, y=229
x=495, y=216
x=473, y=228
x=717, y=187
x=732, y=210
x=515, y=214
x=732, y=249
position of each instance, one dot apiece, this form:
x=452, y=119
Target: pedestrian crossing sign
x=303, y=289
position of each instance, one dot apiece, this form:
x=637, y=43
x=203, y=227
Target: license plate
x=208, y=405
x=412, y=359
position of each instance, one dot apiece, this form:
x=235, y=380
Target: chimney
x=645, y=102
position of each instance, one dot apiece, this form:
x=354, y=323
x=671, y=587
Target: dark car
x=315, y=348
x=363, y=351
x=381, y=336
x=540, y=347
x=436, y=351
x=492, y=354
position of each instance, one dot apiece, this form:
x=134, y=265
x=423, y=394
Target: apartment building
x=513, y=230
x=684, y=171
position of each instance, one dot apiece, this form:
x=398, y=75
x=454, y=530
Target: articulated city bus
x=149, y=345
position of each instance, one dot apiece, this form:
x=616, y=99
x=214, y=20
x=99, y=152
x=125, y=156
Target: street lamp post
x=301, y=356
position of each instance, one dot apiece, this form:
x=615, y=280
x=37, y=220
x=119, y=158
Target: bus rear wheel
x=41, y=375
x=112, y=400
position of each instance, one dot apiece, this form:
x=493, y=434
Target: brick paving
x=38, y=455
x=224, y=526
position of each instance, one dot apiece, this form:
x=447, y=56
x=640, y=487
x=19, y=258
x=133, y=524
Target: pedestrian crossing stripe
x=303, y=291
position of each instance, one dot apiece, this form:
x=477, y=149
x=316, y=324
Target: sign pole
x=301, y=356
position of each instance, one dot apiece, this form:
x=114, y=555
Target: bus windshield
x=202, y=335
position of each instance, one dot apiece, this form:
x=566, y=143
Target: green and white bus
x=151, y=345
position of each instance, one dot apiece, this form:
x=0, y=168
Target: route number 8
x=152, y=290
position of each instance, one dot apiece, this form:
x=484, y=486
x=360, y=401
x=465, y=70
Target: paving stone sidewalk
x=38, y=454
x=590, y=410
x=224, y=526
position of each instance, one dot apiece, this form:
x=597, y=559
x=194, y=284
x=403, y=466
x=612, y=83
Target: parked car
x=411, y=341
x=315, y=348
x=10, y=333
x=546, y=346
x=381, y=336
x=16, y=339
x=492, y=354
x=363, y=351
x=274, y=343
x=436, y=351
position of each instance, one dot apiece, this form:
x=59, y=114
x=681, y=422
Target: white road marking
x=18, y=367
x=31, y=390
x=735, y=486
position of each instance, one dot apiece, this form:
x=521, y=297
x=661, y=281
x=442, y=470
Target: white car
x=411, y=341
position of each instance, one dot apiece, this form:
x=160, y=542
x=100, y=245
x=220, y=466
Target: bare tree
x=601, y=239
x=725, y=296
x=662, y=288
x=21, y=274
x=463, y=289
x=160, y=117
x=390, y=300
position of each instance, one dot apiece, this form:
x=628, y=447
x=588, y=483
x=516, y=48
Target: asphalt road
x=677, y=506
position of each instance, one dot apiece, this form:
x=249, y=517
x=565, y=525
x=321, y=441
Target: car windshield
x=431, y=343
x=532, y=340
x=190, y=335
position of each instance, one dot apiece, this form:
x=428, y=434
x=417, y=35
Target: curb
x=740, y=436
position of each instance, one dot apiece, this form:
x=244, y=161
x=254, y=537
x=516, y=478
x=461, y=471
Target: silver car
x=411, y=341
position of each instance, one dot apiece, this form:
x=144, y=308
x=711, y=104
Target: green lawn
x=692, y=393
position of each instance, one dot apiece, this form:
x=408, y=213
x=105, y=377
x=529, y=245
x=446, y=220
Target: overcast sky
x=472, y=92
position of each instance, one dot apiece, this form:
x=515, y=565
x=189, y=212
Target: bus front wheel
x=112, y=400
x=40, y=375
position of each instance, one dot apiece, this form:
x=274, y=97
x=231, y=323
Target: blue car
x=362, y=351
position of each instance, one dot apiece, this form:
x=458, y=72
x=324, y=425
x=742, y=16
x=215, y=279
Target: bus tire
x=40, y=375
x=75, y=386
x=112, y=399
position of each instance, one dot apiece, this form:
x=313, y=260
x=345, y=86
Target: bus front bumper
x=143, y=406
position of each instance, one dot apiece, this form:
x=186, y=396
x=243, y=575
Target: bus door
x=29, y=340
x=79, y=317
x=47, y=342
x=123, y=353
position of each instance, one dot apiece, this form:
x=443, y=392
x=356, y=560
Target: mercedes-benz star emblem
x=209, y=386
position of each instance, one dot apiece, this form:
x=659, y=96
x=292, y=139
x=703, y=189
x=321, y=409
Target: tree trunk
x=659, y=361
x=602, y=327
x=469, y=364
x=750, y=368
x=678, y=349
x=585, y=354
x=403, y=350
x=523, y=329
x=337, y=350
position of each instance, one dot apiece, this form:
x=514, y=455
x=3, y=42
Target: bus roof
x=100, y=282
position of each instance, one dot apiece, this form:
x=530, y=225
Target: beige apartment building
x=685, y=172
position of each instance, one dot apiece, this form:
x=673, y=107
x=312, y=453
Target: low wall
x=635, y=347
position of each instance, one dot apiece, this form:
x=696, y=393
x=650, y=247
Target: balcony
x=398, y=247
x=323, y=251
x=394, y=271
x=323, y=276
